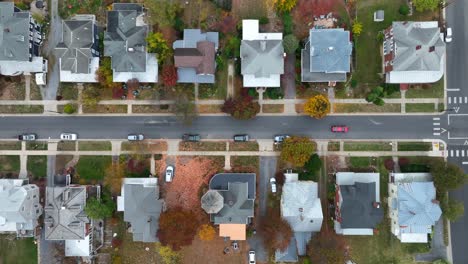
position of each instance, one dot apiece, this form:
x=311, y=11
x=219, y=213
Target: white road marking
x=466, y=99
x=450, y=100
x=465, y=162
x=436, y=128
x=455, y=100
x=453, y=90
x=457, y=153
x=463, y=153
x=436, y=118
x=436, y=124
x=460, y=100
x=436, y=134
x=451, y=153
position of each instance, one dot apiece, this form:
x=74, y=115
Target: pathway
x=230, y=80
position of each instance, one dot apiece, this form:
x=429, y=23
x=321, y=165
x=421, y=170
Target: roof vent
x=418, y=47
x=376, y=205
x=6, y=30
x=431, y=48
x=131, y=50
x=330, y=48
x=301, y=209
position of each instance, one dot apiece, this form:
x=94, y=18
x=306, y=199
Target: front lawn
x=414, y=146
x=18, y=251
x=366, y=108
x=9, y=165
x=428, y=90
x=37, y=166
x=202, y=146
x=420, y=108
x=367, y=146
x=92, y=168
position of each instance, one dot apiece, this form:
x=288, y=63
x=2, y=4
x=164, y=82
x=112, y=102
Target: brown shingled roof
x=200, y=58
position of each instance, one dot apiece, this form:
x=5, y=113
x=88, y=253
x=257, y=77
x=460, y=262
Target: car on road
x=68, y=136
x=448, y=35
x=273, y=185
x=135, y=137
x=241, y=138
x=280, y=138
x=339, y=129
x=169, y=173
x=191, y=137
x=27, y=137
x=251, y=257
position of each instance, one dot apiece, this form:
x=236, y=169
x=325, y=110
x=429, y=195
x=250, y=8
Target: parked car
x=27, y=137
x=169, y=173
x=251, y=257
x=241, y=138
x=191, y=137
x=280, y=138
x=135, y=137
x=340, y=129
x=235, y=245
x=273, y=185
x=68, y=136
x=448, y=35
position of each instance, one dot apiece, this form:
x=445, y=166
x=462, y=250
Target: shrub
x=354, y=83
x=404, y=10
x=264, y=20
x=69, y=109
x=290, y=43
x=380, y=36
x=389, y=164
x=241, y=108
x=274, y=93
x=287, y=23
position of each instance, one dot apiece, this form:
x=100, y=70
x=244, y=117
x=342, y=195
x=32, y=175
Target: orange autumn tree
x=206, y=232
x=317, y=106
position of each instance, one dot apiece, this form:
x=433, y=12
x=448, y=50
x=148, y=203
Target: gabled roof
x=65, y=218
x=301, y=207
x=124, y=40
x=14, y=33
x=327, y=55
x=417, y=207
x=141, y=205
x=75, y=48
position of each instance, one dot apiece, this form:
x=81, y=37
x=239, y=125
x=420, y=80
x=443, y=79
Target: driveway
x=289, y=79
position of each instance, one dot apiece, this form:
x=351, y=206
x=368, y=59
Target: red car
x=341, y=129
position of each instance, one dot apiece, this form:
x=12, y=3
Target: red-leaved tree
x=241, y=108
x=177, y=227
x=276, y=231
x=169, y=76
x=327, y=247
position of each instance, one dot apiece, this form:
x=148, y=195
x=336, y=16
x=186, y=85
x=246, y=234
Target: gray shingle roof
x=301, y=207
x=326, y=56
x=14, y=33
x=417, y=208
x=408, y=35
x=289, y=255
x=262, y=58
x=357, y=210
x=124, y=41
x=142, y=210
x=75, y=48
x=65, y=218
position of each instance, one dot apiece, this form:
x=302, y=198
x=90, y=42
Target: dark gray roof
x=75, y=47
x=289, y=255
x=124, y=41
x=326, y=56
x=142, y=210
x=262, y=58
x=236, y=190
x=357, y=209
x=14, y=33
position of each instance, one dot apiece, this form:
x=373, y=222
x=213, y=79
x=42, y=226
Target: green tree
x=96, y=209
x=404, y=9
x=297, y=150
x=232, y=47
x=447, y=176
x=104, y=73
x=314, y=163
x=423, y=5
x=290, y=43
x=453, y=209
x=158, y=44
x=69, y=108
x=162, y=12
x=185, y=109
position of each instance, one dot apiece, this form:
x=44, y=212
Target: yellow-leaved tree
x=206, y=232
x=285, y=5
x=357, y=28
x=317, y=106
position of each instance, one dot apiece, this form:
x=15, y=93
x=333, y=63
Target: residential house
x=358, y=210
x=301, y=208
x=413, y=52
x=230, y=203
x=194, y=56
x=125, y=43
x=326, y=56
x=78, y=50
x=65, y=219
x=262, y=56
x=412, y=206
x=139, y=200
x=20, y=207
x=20, y=42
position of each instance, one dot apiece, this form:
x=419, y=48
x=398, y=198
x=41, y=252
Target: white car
x=169, y=173
x=135, y=137
x=273, y=185
x=448, y=35
x=68, y=136
x=251, y=257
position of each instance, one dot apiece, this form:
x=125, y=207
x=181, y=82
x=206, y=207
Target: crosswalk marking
x=463, y=153
x=460, y=100
x=457, y=153
x=450, y=100
x=436, y=128
x=451, y=153
x=457, y=99
x=436, y=124
x=436, y=134
x=466, y=100
x=465, y=162
x=436, y=118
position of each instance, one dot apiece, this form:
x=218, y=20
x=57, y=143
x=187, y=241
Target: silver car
x=273, y=185
x=135, y=137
